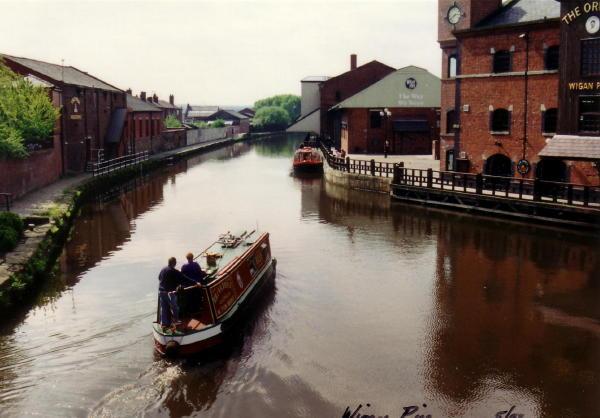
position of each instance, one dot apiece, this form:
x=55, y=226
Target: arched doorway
x=498, y=165
x=552, y=170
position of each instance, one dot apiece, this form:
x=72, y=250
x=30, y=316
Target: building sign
x=75, y=104
x=411, y=83
x=584, y=86
x=585, y=9
x=411, y=100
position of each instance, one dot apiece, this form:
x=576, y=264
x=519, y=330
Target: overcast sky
x=220, y=52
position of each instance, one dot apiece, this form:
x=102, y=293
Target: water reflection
x=373, y=302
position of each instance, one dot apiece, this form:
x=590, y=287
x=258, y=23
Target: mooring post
x=479, y=183
x=429, y=178
x=348, y=164
x=537, y=192
x=586, y=195
x=570, y=194
x=373, y=167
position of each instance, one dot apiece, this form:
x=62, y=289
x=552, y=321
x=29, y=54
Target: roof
x=65, y=74
x=522, y=11
x=571, y=147
x=203, y=108
x=36, y=81
x=247, y=111
x=314, y=78
x=393, y=91
x=139, y=105
x=235, y=114
x=361, y=69
x=165, y=105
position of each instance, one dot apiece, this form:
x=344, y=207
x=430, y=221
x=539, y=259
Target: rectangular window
x=375, y=117
x=590, y=57
x=589, y=114
x=452, y=66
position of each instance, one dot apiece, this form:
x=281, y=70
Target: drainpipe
x=457, y=105
x=526, y=37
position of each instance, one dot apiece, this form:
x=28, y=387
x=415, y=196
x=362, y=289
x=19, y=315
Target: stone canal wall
x=356, y=181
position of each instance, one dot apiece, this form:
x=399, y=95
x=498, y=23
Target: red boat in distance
x=308, y=159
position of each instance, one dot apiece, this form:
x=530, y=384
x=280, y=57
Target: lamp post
x=526, y=37
x=385, y=114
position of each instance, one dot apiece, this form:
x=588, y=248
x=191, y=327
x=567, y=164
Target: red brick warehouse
x=402, y=110
x=500, y=88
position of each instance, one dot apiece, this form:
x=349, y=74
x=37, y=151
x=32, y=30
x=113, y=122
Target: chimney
x=129, y=91
x=353, y=62
x=172, y=99
x=155, y=98
x=143, y=95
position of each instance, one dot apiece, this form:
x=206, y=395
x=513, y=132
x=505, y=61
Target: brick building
x=500, y=88
x=92, y=111
x=336, y=89
x=576, y=148
x=167, y=108
x=402, y=108
x=143, y=126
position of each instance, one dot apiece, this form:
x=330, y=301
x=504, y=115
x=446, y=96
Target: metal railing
x=505, y=187
x=108, y=166
x=481, y=184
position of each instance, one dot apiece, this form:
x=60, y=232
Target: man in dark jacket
x=169, y=279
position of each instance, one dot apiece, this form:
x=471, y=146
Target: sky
x=220, y=52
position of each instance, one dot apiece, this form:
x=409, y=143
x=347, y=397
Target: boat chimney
x=353, y=62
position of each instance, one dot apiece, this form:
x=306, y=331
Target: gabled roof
x=522, y=11
x=393, y=91
x=232, y=113
x=247, y=111
x=360, y=69
x=58, y=73
x=203, y=108
x=139, y=105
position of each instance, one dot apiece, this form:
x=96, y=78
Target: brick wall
x=357, y=136
x=41, y=168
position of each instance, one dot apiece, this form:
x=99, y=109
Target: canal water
x=387, y=305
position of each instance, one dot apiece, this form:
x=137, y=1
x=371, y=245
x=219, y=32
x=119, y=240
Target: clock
x=592, y=25
x=454, y=15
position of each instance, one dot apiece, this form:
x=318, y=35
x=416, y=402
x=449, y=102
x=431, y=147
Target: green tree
x=289, y=102
x=26, y=114
x=172, y=122
x=219, y=123
x=271, y=117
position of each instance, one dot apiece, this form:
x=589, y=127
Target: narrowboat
x=237, y=266
x=308, y=159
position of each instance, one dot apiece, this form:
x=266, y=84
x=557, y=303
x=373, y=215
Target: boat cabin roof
x=225, y=250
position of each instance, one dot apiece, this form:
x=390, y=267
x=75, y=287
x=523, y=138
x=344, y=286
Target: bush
x=219, y=123
x=11, y=220
x=271, y=117
x=172, y=122
x=8, y=239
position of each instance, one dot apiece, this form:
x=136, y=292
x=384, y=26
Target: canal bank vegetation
x=27, y=115
x=276, y=112
x=11, y=229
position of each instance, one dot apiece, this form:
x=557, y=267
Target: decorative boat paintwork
x=308, y=159
x=243, y=264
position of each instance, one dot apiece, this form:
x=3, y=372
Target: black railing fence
x=504, y=187
x=108, y=166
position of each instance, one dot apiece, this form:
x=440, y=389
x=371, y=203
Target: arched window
x=500, y=120
x=502, y=62
x=552, y=170
x=549, y=120
x=498, y=165
x=450, y=121
x=452, y=63
x=551, y=58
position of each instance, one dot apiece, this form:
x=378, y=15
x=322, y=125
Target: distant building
x=167, y=108
x=213, y=113
x=199, y=113
x=144, y=124
x=402, y=108
x=247, y=112
x=93, y=111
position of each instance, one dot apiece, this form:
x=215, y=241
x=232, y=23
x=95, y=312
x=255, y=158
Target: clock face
x=592, y=25
x=454, y=15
